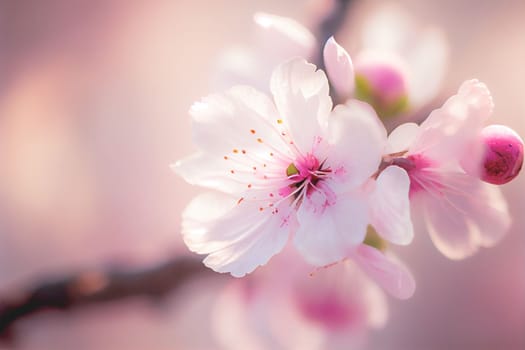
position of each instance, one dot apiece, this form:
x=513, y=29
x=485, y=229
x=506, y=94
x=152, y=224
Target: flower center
x=305, y=174
x=416, y=167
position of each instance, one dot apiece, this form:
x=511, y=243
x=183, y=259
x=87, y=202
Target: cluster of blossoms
x=330, y=183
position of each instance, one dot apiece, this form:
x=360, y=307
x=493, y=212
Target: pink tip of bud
x=385, y=79
x=383, y=84
x=503, y=156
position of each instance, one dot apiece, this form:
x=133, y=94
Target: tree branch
x=95, y=286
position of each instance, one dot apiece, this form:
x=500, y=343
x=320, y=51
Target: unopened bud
x=503, y=157
x=383, y=85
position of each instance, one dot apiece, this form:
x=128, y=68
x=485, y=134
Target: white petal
x=237, y=237
x=468, y=215
x=389, y=273
x=390, y=206
x=339, y=68
x=238, y=119
x=448, y=229
x=358, y=138
x=284, y=36
x=490, y=214
x=401, y=138
x=301, y=95
x=449, y=131
x=241, y=175
x=208, y=171
x=325, y=237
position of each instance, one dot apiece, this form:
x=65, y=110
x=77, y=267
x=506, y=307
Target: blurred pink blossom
x=285, y=305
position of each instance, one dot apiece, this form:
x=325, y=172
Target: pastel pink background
x=93, y=108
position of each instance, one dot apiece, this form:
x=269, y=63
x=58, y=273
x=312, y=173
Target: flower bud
x=382, y=83
x=503, y=155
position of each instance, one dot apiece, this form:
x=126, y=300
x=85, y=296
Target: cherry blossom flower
x=293, y=167
x=460, y=211
x=285, y=305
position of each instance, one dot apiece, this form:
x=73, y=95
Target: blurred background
x=94, y=97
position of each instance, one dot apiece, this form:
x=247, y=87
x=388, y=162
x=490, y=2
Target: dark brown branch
x=96, y=286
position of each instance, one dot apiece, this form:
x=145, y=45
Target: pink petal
x=401, y=138
x=237, y=237
x=390, y=274
x=301, y=94
x=448, y=132
x=358, y=138
x=326, y=236
x=469, y=214
x=339, y=68
x=390, y=206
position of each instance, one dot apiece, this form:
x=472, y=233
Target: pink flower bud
x=383, y=84
x=503, y=156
